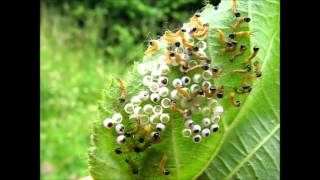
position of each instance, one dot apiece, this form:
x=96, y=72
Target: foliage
x=73, y=71
x=78, y=54
x=247, y=147
x=124, y=23
x=80, y=50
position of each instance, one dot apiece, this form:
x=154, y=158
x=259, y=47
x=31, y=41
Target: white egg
x=117, y=118
x=196, y=138
x=108, y=123
x=121, y=139
x=205, y=132
x=143, y=95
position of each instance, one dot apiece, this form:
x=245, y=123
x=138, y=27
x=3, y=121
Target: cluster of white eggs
x=148, y=106
x=152, y=105
x=156, y=83
x=207, y=127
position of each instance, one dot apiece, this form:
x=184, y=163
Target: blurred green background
x=82, y=44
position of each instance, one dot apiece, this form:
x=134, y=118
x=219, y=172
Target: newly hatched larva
x=216, y=71
x=195, y=21
x=230, y=46
x=180, y=60
x=234, y=7
x=162, y=165
x=251, y=56
x=199, y=56
x=240, y=34
x=132, y=148
x=133, y=166
x=206, y=90
x=195, y=88
x=155, y=138
x=154, y=46
x=146, y=130
x=174, y=108
x=184, y=39
x=168, y=56
x=221, y=37
x=242, y=50
x=175, y=38
x=123, y=91
x=183, y=92
x=209, y=91
x=220, y=92
x=170, y=37
x=245, y=83
x=185, y=113
x=240, y=22
x=202, y=33
x=212, y=89
x=122, y=151
x=193, y=30
x=242, y=71
x=257, y=68
x=197, y=67
x=233, y=100
x=134, y=130
x=246, y=88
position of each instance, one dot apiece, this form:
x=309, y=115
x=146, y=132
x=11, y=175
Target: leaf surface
x=250, y=148
x=247, y=144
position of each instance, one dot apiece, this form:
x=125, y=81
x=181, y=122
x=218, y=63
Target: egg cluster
x=180, y=80
x=178, y=87
x=182, y=95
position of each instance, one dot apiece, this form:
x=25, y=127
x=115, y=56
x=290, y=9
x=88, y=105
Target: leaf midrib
x=270, y=44
x=229, y=128
x=226, y=127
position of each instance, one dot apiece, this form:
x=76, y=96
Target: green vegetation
x=85, y=43
x=82, y=44
x=73, y=72
x=247, y=145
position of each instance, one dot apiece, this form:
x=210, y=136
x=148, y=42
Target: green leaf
x=247, y=144
x=250, y=148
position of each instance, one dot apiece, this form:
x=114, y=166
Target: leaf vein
x=253, y=151
x=270, y=104
x=270, y=156
x=270, y=45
